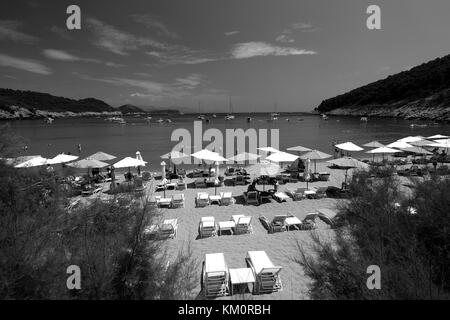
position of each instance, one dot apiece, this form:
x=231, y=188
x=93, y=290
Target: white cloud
x=60, y=55
x=9, y=31
x=65, y=56
x=117, y=41
x=154, y=23
x=284, y=38
x=24, y=64
x=255, y=49
x=230, y=33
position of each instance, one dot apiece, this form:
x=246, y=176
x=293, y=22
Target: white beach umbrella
x=438, y=136
x=264, y=168
x=383, y=151
x=139, y=157
x=315, y=155
x=244, y=156
x=399, y=145
x=163, y=170
x=62, y=158
x=163, y=176
x=418, y=150
x=268, y=149
x=411, y=139
x=172, y=155
x=443, y=143
x=88, y=164
x=102, y=156
x=299, y=149
x=373, y=144
x=348, y=146
x=421, y=143
x=34, y=162
x=348, y=163
x=216, y=180
x=129, y=162
x=208, y=155
x=306, y=173
x=281, y=156
x=18, y=160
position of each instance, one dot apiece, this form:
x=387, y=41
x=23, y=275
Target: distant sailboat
x=49, y=120
x=274, y=115
x=200, y=116
x=230, y=115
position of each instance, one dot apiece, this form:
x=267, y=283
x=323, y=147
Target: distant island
x=18, y=104
x=422, y=92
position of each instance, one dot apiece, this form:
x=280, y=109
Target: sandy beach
x=282, y=248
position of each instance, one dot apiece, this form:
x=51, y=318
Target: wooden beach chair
x=321, y=192
x=200, y=183
x=239, y=180
x=139, y=185
x=251, y=197
x=181, y=185
x=278, y=224
x=297, y=194
x=226, y=198
x=202, y=199
x=324, y=176
x=215, y=275
x=267, y=275
x=207, y=227
x=280, y=196
x=326, y=215
x=243, y=224
x=168, y=229
x=178, y=200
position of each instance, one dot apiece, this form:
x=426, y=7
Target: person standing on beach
x=79, y=148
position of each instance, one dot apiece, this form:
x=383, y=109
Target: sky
x=263, y=55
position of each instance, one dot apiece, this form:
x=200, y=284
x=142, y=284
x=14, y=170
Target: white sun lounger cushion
x=261, y=261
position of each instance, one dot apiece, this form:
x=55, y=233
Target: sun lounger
x=324, y=176
x=178, y=200
x=239, y=180
x=168, y=229
x=321, y=192
x=154, y=200
x=161, y=186
x=278, y=224
x=251, y=197
x=280, y=196
x=207, y=227
x=91, y=190
x=297, y=194
x=243, y=224
x=139, y=185
x=326, y=215
x=200, y=183
x=226, y=198
x=215, y=275
x=181, y=185
x=266, y=273
x=165, y=202
x=202, y=199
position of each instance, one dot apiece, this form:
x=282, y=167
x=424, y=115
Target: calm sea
x=154, y=139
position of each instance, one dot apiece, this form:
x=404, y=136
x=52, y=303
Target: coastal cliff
x=422, y=92
x=18, y=104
